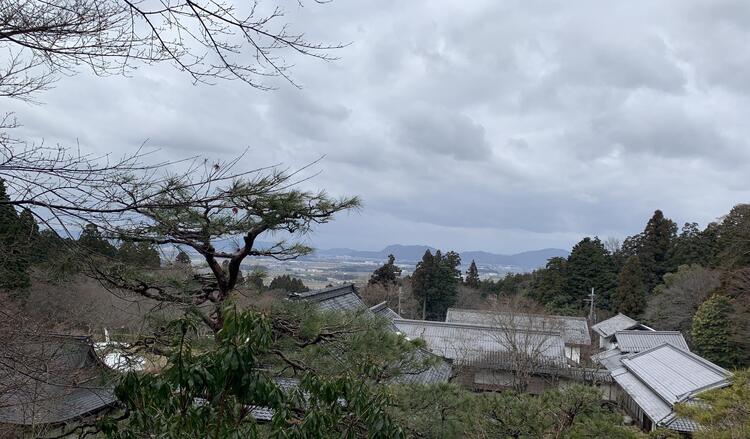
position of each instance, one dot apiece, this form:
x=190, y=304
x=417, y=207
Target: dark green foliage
x=630, y=295
x=387, y=274
x=693, y=246
x=589, y=266
x=434, y=283
x=656, y=246
x=91, y=240
x=16, y=240
x=448, y=411
x=726, y=412
x=287, y=283
x=733, y=238
x=711, y=332
x=472, y=276
x=139, y=254
x=549, y=283
x=208, y=383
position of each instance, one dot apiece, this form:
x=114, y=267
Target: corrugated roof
x=675, y=374
x=53, y=379
x=619, y=322
x=655, y=407
x=340, y=298
x=662, y=376
x=485, y=345
x=639, y=341
x=574, y=330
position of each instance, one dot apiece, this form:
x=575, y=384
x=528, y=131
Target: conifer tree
x=387, y=274
x=589, y=266
x=434, y=283
x=655, y=248
x=630, y=295
x=712, y=335
x=472, y=275
x=14, y=251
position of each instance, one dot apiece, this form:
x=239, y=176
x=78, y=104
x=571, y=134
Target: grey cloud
x=502, y=125
x=441, y=131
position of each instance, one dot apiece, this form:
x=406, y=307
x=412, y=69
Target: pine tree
x=92, y=240
x=15, y=248
x=548, y=283
x=472, y=276
x=712, y=335
x=387, y=274
x=630, y=295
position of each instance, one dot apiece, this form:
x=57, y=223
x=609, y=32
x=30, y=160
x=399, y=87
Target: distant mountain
x=528, y=260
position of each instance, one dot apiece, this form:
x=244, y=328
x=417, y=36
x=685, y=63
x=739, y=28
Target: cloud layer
x=492, y=125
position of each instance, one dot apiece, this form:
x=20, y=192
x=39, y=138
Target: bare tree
x=531, y=340
x=208, y=39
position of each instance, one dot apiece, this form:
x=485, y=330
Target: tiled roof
x=638, y=341
x=574, y=330
x=382, y=309
x=610, y=359
x=660, y=377
x=619, y=322
x=340, y=298
x=52, y=380
x=483, y=345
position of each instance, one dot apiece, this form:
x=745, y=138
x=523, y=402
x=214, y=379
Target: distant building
x=573, y=330
x=606, y=329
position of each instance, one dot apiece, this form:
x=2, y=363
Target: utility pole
x=591, y=299
x=399, y=299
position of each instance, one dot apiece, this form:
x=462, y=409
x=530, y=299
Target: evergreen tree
x=733, y=238
x=472, y=276
x=589, y=266
x=14, y=247
x=548, y=284
x=434, y=283
x=692, y=246
x=711, y=332
x=92, y=240
x=630, y=295
x=287, y=283
x=387, y=274
x=140, y=254
x=182, y=258
x=656, y=246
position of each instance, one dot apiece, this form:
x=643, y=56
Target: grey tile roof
x=483, y=345
x=53, y=379
x=574, y=330
x=662, y=376
x=340, y=298
x=619, y=322
x=382, y=309
x=638, y=341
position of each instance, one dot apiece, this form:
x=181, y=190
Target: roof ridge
x=486, y=311
x=654, y=332
x=379, y=306
x=474, y=326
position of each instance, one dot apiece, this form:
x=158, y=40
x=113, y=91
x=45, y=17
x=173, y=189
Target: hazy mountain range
x=527, y=260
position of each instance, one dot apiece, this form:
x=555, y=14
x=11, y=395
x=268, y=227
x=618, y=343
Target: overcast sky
x=471, y=125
